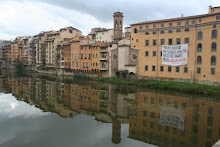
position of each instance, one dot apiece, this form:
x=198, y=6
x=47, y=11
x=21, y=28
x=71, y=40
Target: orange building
x=66, y=55
x=75, y=55
x=86, y=60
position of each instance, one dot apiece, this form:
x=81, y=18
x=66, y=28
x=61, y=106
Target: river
x=38, y=111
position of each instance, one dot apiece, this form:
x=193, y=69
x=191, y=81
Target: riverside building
x=200, y=32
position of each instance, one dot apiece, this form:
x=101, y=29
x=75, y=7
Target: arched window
x=199, y=47
x=135, y=30
x=200, y=35
x=214, y=34
x=213, y=60
x=199, y=60
x=214, y=47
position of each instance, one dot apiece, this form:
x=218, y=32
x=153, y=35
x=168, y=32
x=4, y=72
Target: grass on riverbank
x=154, y=84
x=29, y=71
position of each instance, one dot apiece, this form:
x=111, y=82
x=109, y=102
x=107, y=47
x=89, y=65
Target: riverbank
x=154, y=84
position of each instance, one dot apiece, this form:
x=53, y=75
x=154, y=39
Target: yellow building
x=95, y=58
x=200, y=32
x=193, y=123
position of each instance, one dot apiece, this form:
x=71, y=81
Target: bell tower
x=118, y=25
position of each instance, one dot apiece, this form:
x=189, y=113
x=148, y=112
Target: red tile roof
x=176, y=19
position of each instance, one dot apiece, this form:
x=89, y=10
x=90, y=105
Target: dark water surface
x=41, y=111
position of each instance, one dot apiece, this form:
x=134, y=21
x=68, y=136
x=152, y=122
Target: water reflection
x=153, y=117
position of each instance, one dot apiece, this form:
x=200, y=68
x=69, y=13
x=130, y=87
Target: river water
x=47, y=111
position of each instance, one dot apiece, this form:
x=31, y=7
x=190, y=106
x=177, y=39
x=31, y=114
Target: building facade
x=199, y=32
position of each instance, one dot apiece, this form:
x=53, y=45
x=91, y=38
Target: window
x=199, y=60
x=161, y=32
x=144, y=123
x=147, y=42
x=178, y=23
x=178, y=41
x=187, y=23
x=141, y=27
x=154, y=26
x=161, y=53
x=170, y=31
x=170, y=24
x=198, y=70
x=186, y=30
x=154, y=42
x=214, y=34
x=170, y=41
x=162, y=41
x=146, y=67
x=136, y=40
x=200, y=35
x=146, y=26
x=146, y=53
x=154, y=53
x=199, y=47
x=210, y=110
x=146, y=33
x=214, y=26
x=177, y=69
x=193, y=21
x=197, y=107
x=217, y=17
x=186, y=40
x=135, y=30
x=213, y=60
x=169, y=69
x=214, y=46
x=162, y=25
x=153, y=68
x=185, y=69
x=212, y=71
x=178, y=30
x=154, y=32
x=161, y=68
x=200, y=20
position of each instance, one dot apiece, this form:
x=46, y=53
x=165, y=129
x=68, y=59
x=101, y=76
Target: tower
x=118, y=25
x=116, y=131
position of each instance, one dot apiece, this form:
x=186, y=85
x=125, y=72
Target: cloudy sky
x=29, y=17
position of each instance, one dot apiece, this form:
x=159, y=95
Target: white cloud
x=29, y=17
x=25, y=18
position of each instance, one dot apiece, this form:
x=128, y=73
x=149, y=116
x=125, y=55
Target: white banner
x=172, y=117
x=175, y=55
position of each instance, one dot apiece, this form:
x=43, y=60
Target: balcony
x=103, y=50
x=103, y=68
x=103, y=58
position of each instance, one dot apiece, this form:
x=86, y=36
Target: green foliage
x=162, y=85
x=19, y=68
x=30, y=71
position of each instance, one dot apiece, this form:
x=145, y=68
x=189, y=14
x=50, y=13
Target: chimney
x=210, y=9
x=181, y=15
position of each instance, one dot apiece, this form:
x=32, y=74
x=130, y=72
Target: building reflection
x=155, y=118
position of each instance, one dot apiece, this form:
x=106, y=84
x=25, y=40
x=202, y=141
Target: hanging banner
x=174, y=55
x=172, y=117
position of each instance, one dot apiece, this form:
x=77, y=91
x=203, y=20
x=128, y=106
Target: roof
x=176, y=19
x=103, y=30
